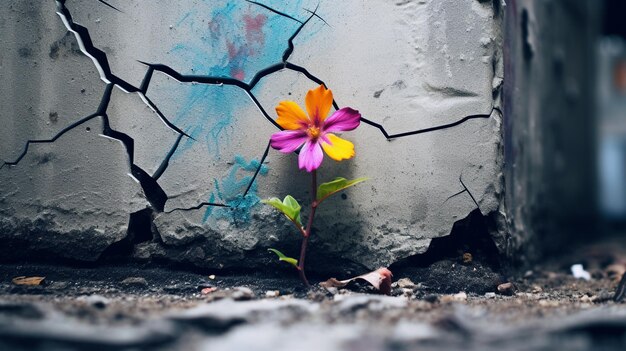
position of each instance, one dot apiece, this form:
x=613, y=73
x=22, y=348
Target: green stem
x=309, y=227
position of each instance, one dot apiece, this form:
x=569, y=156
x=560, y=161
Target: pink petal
x=288, y=140
x=311, y=156
x=342, y=120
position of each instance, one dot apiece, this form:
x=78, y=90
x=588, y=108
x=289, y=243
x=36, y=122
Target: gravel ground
x=130, y=308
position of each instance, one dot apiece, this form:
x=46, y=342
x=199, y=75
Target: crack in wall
x=155, y=194
x=465, y=190
x=159, y=172
x=274, y=10
x=109, y=5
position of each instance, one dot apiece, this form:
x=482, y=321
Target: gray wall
x=550, y=122
x=155, y=105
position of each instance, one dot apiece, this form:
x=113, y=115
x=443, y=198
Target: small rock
x=135, y=281
x=467, y=258
x=58, y=285
x=97, y=301
x=458, y=297
x=603, y=296
x=241, y=293
x=537, y=289
x=272, y=293
x=490, y=295
x=506, y=289
x=548, y=303
x=528, y=274
x=212, y=277
x=461, y=296
x=432, y=298
x=406, y=283
x=332, y=290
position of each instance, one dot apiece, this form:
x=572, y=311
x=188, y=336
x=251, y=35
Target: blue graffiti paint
x=229, y=190
x=236, y=39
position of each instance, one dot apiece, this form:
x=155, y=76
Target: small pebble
x=135, y=281
x=490, y=295
x=506, y=288
x=461, y=296
x=528, y=274
x=603, y=296
x=432, y=298
x=407, y=292
x=406, y=283
x=242, y=293
x=212, y=277
x=458, y=297
x=467, y=258
x=332, y=290
x=272, y=293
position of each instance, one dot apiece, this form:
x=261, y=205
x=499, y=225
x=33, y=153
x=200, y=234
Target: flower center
x=313, y=132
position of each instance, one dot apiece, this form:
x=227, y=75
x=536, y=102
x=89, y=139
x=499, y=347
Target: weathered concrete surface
x=47, y=83
x=427, y=67
x=550, y=129
x=406, y=202
x=71, y=198
x=128, y=113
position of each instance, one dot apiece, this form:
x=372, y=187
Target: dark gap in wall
x=140, y=229
x=154, y=193
x=140, y=226
x=496, y=7
x=525, y=31
x=614, y=12
x=466, y=260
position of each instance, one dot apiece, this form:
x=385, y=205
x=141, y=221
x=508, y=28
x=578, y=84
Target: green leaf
x=336, y=185
x=289, y=206
x=282, y=257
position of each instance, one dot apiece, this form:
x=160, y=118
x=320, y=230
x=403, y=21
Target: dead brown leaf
x=23, y=280
x=380, y=279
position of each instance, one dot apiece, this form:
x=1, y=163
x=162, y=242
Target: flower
x=314, y=132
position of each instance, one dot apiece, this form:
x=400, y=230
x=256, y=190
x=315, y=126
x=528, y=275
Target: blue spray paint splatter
x=229, y=190
x=234, y=40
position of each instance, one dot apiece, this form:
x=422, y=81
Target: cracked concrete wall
x=179, y=101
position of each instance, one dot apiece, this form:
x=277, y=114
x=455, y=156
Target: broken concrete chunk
x=71, y=198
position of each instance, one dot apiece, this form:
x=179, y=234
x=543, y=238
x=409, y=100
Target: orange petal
x=291, y=116
x=318, y=103
x=338, y=149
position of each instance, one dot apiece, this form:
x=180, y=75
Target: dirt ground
x=449, y=304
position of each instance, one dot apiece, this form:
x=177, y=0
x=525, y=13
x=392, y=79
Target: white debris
x=272, y=293
x=580, y=273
